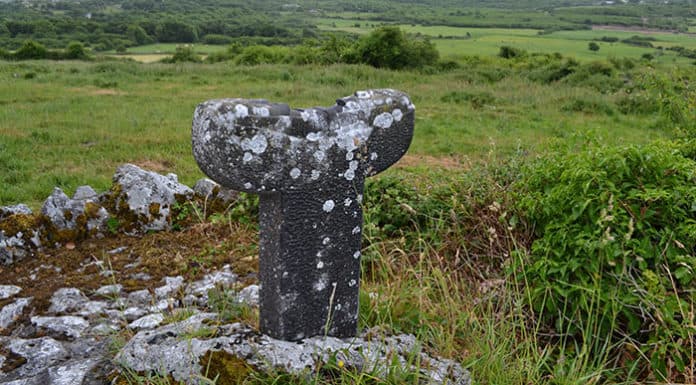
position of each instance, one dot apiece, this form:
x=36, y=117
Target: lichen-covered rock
x=69, y=326
x=76, y=218
x=19, y=233
x=6, y=211
x=67, y=299
x=44, y=360
x=144, y=200
x=170, y=350
x=215, y=197
x=10, y=312
x=7, y=291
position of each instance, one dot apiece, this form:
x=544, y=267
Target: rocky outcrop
x=70, y=342
x=138, y=201
x=171, y=350
x=76, y=218
x=145, y=199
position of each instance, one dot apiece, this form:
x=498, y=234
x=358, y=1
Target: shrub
x=639, y=41
x=259, y=54
x=592, y=46
x=389, y=47
x=507, y=52
x=217, y=39
x=609, y=39
x=615, y=247
x=75, y=51
x=31, y=50
x=183, y=54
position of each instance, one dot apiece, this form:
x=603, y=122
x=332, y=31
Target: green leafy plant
x=615, y=248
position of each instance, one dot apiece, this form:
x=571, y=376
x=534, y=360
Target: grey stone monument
x=308, y=167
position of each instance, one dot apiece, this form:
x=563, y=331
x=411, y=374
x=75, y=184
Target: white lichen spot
x=325, y=241
x=350, y=155
x=320, y=265
x=314, y=136
x=374, y=156
x=356, y=230
x=397, y=114
x=261, y=111
x=356, y=255
x=337, y=307
x=352, y=283
x=360, y=198
x=247, y=157
x=353, y=165
x=285, y=274
x=319, y=156
x=347, y=202
x=351, y=106
x=363, y=94
x=349, y=174
x=295, y=173
x=315, y=174
x=310, y=115
x=241, y=111
x=321, y=283
x=247, y=185
x=283, y=122
x=329, y=205
x=383, y=120
x=258, y=144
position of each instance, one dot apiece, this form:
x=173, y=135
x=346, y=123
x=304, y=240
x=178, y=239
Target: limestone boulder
x=74, y=218
x=144, y=200
x=19, y=233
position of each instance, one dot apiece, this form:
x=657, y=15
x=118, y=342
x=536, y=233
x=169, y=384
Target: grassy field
x=72, y=123
x=453, y=42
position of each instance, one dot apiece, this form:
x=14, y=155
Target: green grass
x=453, y=42
x=71, y=123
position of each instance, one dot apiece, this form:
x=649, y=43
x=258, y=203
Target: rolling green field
x=453, y=42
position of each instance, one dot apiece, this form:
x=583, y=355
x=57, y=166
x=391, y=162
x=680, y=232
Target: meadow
x=454, y=42
x=71, y=123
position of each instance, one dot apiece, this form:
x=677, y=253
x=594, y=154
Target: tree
x=31, y=50
x=137, y=35
x=75, y=50
x=389, y=47
x=173, y=31
x=594, y=47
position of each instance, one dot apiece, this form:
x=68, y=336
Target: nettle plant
x=615, y=252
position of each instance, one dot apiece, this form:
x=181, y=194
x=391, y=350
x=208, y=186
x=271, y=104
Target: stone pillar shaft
x=306, y=267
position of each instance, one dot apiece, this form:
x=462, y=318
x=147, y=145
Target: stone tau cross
x=309, y=168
